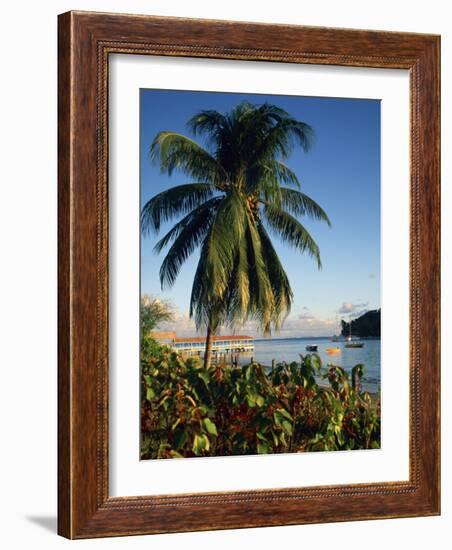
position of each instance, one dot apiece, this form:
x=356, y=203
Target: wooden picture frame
x=86, y=40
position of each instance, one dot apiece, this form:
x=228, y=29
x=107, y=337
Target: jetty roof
x=214, y=338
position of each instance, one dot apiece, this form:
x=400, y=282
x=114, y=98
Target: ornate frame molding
x=85, y=42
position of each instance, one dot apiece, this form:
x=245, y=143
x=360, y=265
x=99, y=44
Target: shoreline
x=329, y=338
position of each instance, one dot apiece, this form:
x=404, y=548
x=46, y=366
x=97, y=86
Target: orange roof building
x=196, y=344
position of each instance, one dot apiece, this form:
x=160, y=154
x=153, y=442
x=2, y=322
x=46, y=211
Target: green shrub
x=187, y=410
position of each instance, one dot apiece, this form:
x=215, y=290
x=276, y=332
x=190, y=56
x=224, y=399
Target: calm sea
x=289, y=349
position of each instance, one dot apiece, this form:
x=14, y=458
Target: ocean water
x=289, y=349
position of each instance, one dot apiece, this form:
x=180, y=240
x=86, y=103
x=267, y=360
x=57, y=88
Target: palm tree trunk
x=208, y=352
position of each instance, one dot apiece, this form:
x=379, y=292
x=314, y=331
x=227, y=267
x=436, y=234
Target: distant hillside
x=364, y=326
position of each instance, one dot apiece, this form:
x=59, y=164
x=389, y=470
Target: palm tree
x=241, y=191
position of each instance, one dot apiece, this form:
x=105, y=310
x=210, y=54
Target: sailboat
x=334, y=350
x=350, y=343
x=335, y=337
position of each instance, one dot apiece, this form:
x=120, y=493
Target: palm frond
x=173, y=202
x=209, y=122
x=226, y=232
x=218, y=253
x=263, y=301
x=283, y=173
x=193, y=218
x=273, y=112
x=291, y=231
x=188, y=234
x=282, y=137
x=300, y=204
x=176, y=151
x=265, y=179
x=239, y=297
x=282, y=291
x=205, y=307
x=199, y=304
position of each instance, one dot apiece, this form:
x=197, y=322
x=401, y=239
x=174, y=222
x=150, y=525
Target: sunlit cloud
x=306, y=316
x=295, y=326
x=182, y=325
x=353, y=309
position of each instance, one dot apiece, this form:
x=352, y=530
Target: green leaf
x=287, y=426
x=260, y=401
x=283, y=413
x=275, y=438
x=210, y=426
x=150, y=394
x=203, y=374
x=263, y=447
x=176, y=424
x=198, y=445
x=316, y=362
x=251, y=399
x=175, y=454
x=180, y=438
x=248, y=372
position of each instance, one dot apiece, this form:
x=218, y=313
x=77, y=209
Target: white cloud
x=353, y=309
x=307, y=324
x=296, y=325
x=307, y=316
x=182, y=325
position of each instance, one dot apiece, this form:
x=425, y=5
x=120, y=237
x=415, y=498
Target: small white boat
x=354, y=344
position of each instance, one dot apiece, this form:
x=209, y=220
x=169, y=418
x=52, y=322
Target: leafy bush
x=187, y=410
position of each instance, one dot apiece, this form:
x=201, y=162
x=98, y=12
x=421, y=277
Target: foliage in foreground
x=187, y=410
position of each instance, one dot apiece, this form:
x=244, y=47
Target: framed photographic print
x=248, y=275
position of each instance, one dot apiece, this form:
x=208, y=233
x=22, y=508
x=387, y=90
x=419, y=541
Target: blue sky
x=341, y=173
